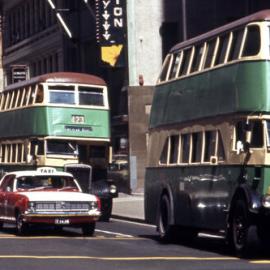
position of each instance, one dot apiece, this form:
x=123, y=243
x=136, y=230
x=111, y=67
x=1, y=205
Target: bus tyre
x=243, y=235
x=88, y=229
x=165, y=229
x=21, y=226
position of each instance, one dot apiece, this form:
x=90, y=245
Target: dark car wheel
x=106, y=209
x=88, y=229
x=21, y=226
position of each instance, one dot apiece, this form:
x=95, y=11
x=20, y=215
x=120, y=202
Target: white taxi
x=46, y=197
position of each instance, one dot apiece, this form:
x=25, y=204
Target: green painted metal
x=239, y=87
x=55, y=121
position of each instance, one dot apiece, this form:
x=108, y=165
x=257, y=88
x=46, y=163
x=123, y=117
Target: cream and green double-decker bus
x=209, y=136
x=59, y=120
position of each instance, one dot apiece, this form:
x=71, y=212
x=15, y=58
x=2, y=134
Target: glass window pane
x=239, y=133
x=174, y=66
x=220, y=149
x=58, y=147
x=253, y=41
x=222, y=49
x=210, y=53
x=185, y=62
x=62, y=97
x=196, y=147
x=210, y=145
x=164, y=154
x=256, y=134
x=91, y=96
x=197, y=58
x=39, y=95
x=185, y=146
x=236, y=44
x=174, y=149
x=163, y=74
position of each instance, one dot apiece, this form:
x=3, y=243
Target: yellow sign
x=110, y=54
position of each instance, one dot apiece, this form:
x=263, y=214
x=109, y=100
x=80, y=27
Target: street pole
x=184, y=19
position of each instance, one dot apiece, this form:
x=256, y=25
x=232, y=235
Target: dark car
x=102, y=187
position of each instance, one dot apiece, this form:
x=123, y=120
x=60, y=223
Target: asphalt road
x=117, y=245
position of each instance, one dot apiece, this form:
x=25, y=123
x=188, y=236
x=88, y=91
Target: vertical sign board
x=110, y=29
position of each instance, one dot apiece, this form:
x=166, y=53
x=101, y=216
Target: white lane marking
x=115, y=233
x=134, y=222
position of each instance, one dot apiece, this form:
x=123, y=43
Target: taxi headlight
x=266, y=201
x=93, y=205
x=31, y=206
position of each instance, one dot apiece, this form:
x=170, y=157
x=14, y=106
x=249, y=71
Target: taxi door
x=5, y=197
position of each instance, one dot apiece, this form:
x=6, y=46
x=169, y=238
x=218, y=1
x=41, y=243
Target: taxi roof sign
x=46, y=170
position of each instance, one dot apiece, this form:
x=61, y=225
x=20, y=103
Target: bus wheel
x=165, y=229
x=243, y=235
x=88, y=229
x=21, y=226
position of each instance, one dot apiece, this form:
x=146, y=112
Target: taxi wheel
x=21, y=226
x=88, y=229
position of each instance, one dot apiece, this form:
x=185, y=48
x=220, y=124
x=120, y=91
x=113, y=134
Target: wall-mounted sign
x=19, y=73
x=111, y=29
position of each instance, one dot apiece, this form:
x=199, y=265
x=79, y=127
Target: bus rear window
x=91, y=96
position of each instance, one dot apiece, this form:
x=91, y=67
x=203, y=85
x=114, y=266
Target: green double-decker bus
x=209, y=136
x=57, y=120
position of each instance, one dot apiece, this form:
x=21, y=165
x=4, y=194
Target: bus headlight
x=266, y=201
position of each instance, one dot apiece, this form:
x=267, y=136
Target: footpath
x=129, y=207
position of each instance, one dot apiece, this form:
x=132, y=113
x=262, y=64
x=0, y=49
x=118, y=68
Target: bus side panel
x=26, y=122
x=201, y=195
x=228, y=90
x=55, y=121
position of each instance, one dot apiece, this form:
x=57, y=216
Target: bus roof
x=60, y=77
x=263, y=15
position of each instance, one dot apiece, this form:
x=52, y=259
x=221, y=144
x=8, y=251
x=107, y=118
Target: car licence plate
x=61, y=221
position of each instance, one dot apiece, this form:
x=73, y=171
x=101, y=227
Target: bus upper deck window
x=253, y=41
x=164, y=72
x=175, y=64
x=236, y=44
x=211, y=45
x=184, y=68
x=197, y=57
x=60, y=94
x=91, y=96
x=222, y=49
x=39, y=95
